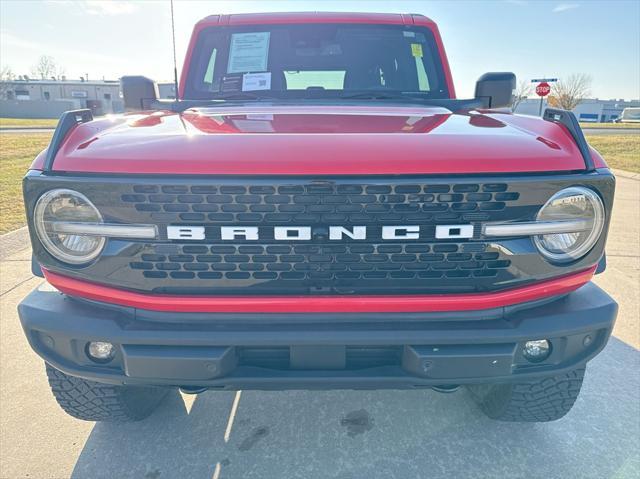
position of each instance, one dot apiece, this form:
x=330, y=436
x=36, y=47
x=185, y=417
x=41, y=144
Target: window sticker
x=416, y=50
x=256, y=81
x=231, y=83
x=249, y=52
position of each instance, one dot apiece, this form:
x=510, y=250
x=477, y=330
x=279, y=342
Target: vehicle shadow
x=371, y=434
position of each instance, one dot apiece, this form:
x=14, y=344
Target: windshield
x=316, y=61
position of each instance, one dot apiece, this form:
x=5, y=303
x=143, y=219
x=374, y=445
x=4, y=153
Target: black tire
x=92, y=401
x=541, y=400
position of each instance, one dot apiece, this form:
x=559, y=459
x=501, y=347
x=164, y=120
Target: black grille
x=321, y=262
x=356, y=357
x=321, y=203
x=320, y=265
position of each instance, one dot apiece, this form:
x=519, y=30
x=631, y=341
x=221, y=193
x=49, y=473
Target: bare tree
x=521, y=93
x=568, y=92
x=6, y=75
x=46, y=68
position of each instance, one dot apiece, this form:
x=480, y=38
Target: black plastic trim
x=36, y=269
x=67, y=122
x=570, y=122
x=452, y=104
x=79, y=175
x=58, y=328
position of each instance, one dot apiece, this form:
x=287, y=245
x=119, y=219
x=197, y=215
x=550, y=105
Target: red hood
x=318, y=140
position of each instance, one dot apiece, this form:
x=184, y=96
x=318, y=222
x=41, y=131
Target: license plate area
x=459, y=361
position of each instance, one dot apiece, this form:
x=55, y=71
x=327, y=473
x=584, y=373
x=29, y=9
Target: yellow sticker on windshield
x=416, y=49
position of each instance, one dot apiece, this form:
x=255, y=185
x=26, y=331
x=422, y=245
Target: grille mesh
x=321, y=262
x=317, y=263
x=321, y=203
x=356, y=357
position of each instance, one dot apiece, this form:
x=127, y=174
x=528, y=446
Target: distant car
x=629, y=115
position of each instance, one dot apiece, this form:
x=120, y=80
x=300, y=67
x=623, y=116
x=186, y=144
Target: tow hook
x=446, y=388
x=192, y=390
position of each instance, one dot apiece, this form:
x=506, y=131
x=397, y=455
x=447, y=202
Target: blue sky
x=109, y=38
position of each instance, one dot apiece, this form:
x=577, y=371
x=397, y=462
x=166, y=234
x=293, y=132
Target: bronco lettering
x=305, y=233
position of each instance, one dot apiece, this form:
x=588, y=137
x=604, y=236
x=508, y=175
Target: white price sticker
x=249, y=52
x=256, y=81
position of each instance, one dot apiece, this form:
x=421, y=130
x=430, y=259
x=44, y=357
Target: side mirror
x=495, y=89
x=138, y=92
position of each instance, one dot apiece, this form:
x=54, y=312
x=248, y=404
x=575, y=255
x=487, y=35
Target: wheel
x=92, y=401
x=545, y=399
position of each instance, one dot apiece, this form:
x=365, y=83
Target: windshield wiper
x=242, y=96
x=416, y=97
x=379, y=95
x=216, y=100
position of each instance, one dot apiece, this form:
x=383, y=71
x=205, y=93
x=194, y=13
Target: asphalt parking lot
x=333, y=434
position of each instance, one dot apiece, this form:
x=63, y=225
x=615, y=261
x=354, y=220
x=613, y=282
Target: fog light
x=101, y=351
x=536, y=351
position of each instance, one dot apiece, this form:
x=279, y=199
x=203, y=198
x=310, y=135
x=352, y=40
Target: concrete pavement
x=622, y=277
x=333, y=434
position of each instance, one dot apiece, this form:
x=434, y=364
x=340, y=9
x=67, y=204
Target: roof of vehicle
x=314, y=17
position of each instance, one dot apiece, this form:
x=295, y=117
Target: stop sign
x=543, y=89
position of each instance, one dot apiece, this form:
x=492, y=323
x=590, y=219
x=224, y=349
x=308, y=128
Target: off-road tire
x=92, y=401
x=541, y=400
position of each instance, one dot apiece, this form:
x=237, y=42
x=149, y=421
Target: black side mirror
x=138, y=92
x=495, y=89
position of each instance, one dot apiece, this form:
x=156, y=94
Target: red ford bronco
x=318, y=210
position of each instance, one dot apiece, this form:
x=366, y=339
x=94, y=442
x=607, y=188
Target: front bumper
x=317, y=351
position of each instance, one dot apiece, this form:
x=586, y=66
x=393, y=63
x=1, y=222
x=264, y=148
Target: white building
x=26, y=98
x=589, y=110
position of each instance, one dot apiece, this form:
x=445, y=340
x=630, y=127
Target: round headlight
x=67, y=206
x=571, y=204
